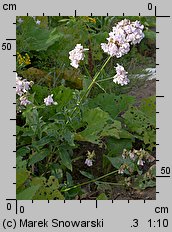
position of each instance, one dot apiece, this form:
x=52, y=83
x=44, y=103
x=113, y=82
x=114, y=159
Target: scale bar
x=164, y=176
x=11, y=199
x=163, y=16
x=10, y=39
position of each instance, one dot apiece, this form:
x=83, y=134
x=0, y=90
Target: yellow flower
x=25, y=60
x=89, y=19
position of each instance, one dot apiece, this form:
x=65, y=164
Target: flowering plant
x=66, y=134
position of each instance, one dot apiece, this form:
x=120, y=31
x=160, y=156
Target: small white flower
x=76, y=55
x=49, y=100
x=38, y=22
x=140, y=162
x=89, y=162
x=132, y=155
x=24, y=101
x=121, y=76
x=121, y=171
x=20, y=20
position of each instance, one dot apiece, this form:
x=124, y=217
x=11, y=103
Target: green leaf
x=23, y=151
x=36, y=38
x=42, y=142
x=116, y=146
x=22, y=174
x=96, y=119
x=40, y=92
x=102, y=196
x=87, y=174
x=148, y=106
x=65, y=157
x=48, y=190
x=62, y=96
x=111, y=103
x=38, y=156
x=142, y=123
x=69, y=179
x=112, y=130
x=32, y=118
x=150, y=35
x=28, y=193
x=116, y=161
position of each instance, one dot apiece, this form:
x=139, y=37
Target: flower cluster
x=121, y=76
x=23, y=60
x=49, y=100
x=76, y=55
x=22, y=87
x=90, y=157
x=137, y=157
x=122, y=35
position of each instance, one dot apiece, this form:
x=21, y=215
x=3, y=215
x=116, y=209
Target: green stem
x=110, y=183
x=87, y=71
x=89, y=87
x=109, y=78
x=90, y=181
x=94, y=80
x=100, y=87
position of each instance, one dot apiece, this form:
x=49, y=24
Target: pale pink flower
x=49, y=100
x=76, y=55
x=121, y=76
x=89, y=162
x=24, y=101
